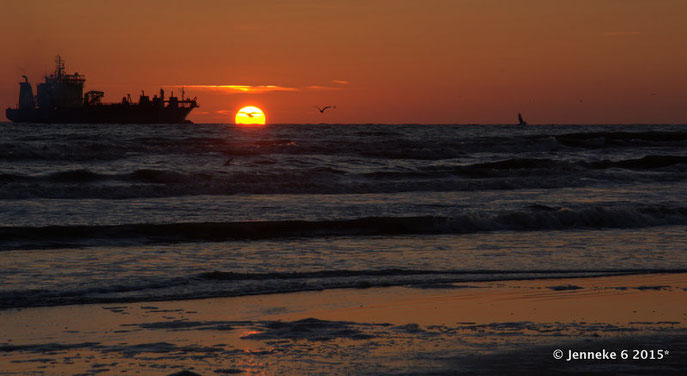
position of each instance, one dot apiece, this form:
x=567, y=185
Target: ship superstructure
x=60, y=99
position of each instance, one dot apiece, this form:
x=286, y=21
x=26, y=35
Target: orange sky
x=378, y=61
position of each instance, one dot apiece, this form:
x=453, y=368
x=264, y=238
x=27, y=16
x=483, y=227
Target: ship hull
x=120, y=114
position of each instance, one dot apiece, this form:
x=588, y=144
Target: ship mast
x=59, y=67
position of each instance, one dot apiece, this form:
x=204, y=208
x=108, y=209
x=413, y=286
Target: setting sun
x=250, y=115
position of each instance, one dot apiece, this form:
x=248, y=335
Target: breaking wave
x=532, y=218
x=515, y=173
x=226, y=284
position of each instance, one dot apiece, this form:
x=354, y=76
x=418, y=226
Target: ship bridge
x=61, y=90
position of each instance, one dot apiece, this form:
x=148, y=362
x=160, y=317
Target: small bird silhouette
x=228, y=162
x=250, y=114
x=323, y=109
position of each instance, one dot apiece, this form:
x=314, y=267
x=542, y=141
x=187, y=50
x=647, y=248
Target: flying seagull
x=323, y=109
x=250, y=114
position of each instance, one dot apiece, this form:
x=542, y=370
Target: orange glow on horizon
x=250, y=115
x=562, y=62
x=239, y=89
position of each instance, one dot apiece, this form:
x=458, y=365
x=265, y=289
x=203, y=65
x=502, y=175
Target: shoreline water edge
x=506, y=327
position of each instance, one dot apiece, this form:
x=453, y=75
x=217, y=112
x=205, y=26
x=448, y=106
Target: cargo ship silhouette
x=60, y=99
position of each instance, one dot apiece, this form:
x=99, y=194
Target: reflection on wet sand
x=381, y=330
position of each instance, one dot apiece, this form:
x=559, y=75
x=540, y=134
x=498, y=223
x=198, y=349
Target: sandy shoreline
x=471, y=328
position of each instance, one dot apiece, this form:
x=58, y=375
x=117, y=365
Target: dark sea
x=123, y=213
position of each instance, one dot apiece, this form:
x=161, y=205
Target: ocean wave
x=381, y=144
x=324, y=178
x=621, y=139
x=531, y=218
x=649, y=162
x=229, y=284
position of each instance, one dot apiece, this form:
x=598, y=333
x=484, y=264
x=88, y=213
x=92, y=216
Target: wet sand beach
x=463, y=328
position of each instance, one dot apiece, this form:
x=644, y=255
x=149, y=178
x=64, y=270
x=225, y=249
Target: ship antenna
x=59, y=66
x=182, y=93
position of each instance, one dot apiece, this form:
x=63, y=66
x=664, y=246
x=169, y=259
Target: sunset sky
x=391, y=61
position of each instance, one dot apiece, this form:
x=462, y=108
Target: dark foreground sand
x=487, y=328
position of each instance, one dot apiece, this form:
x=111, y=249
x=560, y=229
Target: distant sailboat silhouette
x=520, y=120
